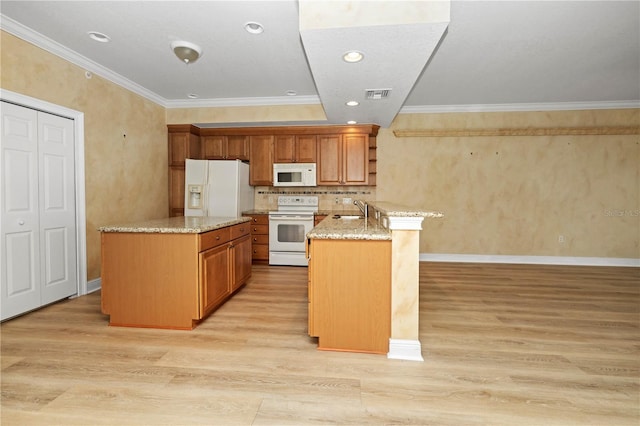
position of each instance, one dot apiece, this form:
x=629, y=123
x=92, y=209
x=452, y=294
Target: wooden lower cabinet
x=350, y=294
x=167, y=280
x=215, y=277
x=318, y=218
x=259, y=237
x=241, y=254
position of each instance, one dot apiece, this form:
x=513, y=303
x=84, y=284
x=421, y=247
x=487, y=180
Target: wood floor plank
x=502, y=345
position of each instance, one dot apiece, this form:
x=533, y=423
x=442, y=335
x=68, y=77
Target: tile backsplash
x=330, y=198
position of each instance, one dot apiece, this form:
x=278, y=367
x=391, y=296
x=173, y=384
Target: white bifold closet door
x=37, y=204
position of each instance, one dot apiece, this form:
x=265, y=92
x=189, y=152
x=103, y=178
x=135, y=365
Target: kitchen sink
x=346, y=217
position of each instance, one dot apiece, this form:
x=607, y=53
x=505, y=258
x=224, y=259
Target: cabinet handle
x=255, y=219
x=255, y=251
x=255, y=239
x=255, y=229
x=241, y=229
x=218, y=237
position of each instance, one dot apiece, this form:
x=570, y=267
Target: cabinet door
x=283, y=149
x=261, y=164
x=176, y=191
x=355, y=159
x=215, y=278
x=214, y=147
x=178, y=143
x=183, y=145
x=305, y=149
x=329, y=160
x=237, y=148
x=241, y=261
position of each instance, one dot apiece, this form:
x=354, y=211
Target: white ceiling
x=494, y=55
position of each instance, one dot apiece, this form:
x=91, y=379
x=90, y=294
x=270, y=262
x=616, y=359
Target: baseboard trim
x=409, y=350
x=94, y=285
x=536, y=260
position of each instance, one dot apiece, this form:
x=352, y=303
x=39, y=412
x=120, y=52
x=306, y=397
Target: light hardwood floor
x=503, y=344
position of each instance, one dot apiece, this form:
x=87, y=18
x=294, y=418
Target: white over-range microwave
x=294, y=174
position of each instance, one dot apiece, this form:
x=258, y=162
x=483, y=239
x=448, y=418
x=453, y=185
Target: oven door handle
x=290, y=219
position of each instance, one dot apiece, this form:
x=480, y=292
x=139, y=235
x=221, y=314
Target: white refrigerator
x=217, y=188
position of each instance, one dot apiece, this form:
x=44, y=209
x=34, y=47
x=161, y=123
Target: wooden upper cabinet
x=329, y=163
x=261, y=165
x=219, y=147
x=238, y=148
x=295, y=149
x=213, y=147
x=343, y=159
x=182, y=144
x=355, y=159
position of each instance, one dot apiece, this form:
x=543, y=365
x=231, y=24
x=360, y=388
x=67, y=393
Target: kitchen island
x=363, y=281
x=172, y=272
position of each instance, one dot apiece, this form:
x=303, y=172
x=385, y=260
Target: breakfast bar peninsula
x=173, y=272
x=363, y=281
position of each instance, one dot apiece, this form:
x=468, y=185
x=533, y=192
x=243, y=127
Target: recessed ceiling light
x=353, y=56
x=291, y=92
x=351, y=122
x=192, y=96
x=352, y=103
x=102, y=38
x=253, y=27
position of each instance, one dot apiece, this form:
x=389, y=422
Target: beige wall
x=500, y=195
x=125, y=177
x=516, y=195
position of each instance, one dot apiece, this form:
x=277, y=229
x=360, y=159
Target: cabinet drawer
x=213, y=238
x=260, y=252
x=240, y=229
x=259, y=229
x=260, y=239
x=260, y=219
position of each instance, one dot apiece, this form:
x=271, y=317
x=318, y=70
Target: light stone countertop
x=256, y=211
x=177, y=225
x=392, y=209
x=349, y=229
x=357, y=229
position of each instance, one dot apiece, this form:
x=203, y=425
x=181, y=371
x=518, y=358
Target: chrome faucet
x=364, y=208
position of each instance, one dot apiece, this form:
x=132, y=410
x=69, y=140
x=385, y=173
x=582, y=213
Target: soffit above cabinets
x=396, y=40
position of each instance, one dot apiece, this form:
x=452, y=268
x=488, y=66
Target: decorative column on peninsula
x=405, y=225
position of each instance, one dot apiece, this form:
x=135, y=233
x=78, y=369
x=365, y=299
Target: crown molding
x=27, y=34
x=549, y=106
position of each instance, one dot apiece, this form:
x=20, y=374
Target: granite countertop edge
x=176, y=225
x=397, y=210
x=349, y=229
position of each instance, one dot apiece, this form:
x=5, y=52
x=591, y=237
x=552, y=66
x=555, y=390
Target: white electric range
x=288, y=227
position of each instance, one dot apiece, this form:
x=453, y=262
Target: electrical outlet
x=346, y=201
x=561, y=239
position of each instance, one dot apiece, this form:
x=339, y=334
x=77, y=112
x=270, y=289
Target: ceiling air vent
x=378, y=93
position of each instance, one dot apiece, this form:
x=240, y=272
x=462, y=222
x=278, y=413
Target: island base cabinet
x=150, y=280
x=166, y=280
x=350, y=294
